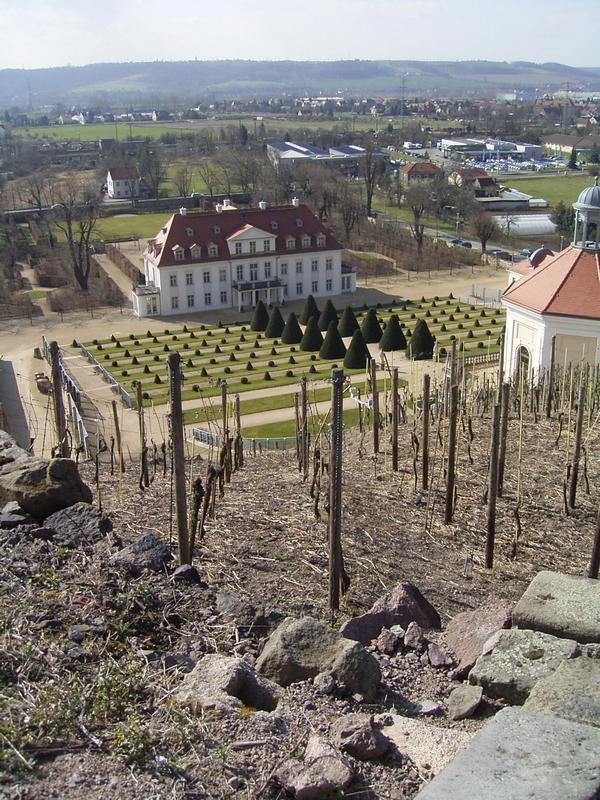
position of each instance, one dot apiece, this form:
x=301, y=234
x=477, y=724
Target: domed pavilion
x=556, y=298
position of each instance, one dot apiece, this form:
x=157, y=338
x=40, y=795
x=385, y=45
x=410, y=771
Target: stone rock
x=39, y=486
x=9, y=520
x=514, y=660
x=562, y=605
x=79, y=524
x=354, y=734
x=324, y=683
x=437, y=657
x=301, y=648
x=181, y=661
x=523, y=756
x=43, y=533
x=225, y=684
x=186, y=573
x=425, y=743
x=322, y=773
x=413, y=637
x=572, y=692
x=428, y=708
x=388, y=641
x=464, y=701
x=78, y=633
x=250, y=620
x=403, y=605
x=146, y=553
x=468, y=631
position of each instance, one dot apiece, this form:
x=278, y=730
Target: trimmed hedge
x=260, y=319
x=421, y=342
x=370, y=328
x=393, y=338
x=333, y=346
x=328, y=315
x=276, y=324
x=311, y=309
x=357, y=354
x=348, y=323
x=313, y=338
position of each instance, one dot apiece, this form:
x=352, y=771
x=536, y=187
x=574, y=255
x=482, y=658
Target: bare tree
x=350, y=208
x=77, y=212
x=183, y=181
x=372, y=168
x=152, y=170
x=485, y=227
x=209, y=174
x=417, y=198
x=35, y=189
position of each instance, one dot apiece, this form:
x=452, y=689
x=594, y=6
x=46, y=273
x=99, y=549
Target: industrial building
x=490, y=149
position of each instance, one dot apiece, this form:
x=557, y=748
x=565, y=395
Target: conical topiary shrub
x=260, y=320
x=332, y=346
x=329, y=314
x=313, y=338
x=348, y=323
x=393, y=338
x=310, y=309
x=370, y=328
x=276, y=324
x=357, y=354
x=421, y=342
x=292, y=333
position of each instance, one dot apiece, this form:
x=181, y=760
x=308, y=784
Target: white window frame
x=328, y=285
x=290, y=243
x=174, y=303
x=267, y=245
x=189, y=278
x=299, y=288
x=179, y=254
x=206, y=276
x=253, y=272
x=191, y=300
x=283, y=268
x=173, y=279
x=315, y=286
x=222, y=275
x=207, y=298
x=239, y=248
x=328, y=264
x=299, y=268
x=223, y=296
x=213, y=250
x=252, y=247
x=239, y=271
x=314, y=265
x=305, y=242
x=267, y=269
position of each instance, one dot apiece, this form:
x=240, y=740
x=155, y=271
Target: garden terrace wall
x=125, y=264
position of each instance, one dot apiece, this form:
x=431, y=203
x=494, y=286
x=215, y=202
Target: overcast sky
x=47, y=33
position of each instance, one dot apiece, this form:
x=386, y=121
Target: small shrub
x=186, y=346
x=189, y=363
x=192, y=335
x=312, y=369
x=217, y=349
x=166, y=348
x=267, y=377
x=146, y=369
x=154, y=340
x=137, y=342
x=273, y=352
x=197, y=352
x=237, y=348
x=157, y=379
x=131, y=336
x=135, y=361
x=114, y=363
x=227, y=370
x=291, y=360
x=252, y=354
x=195, y=388
x=480, y=345
x=113, y=338
x=156, y=358
x=451, y=318
x=145, y=396
x=203, y=373
x=443, y=327
x=271, y=364
x=413, y=316
x=100, y=347
x=442, y=352
x=127, y=354
x=94, y=341
x=488, y=333
x=106, y=356
x=146, y=352
x=223, y=341
x=249, y=366
x=124, y=373
x=470, y=335
x=166, y=332
x=242, y=338
x=452, y=338
x=74, y=343
x=289, y=374
x=292, y=349
x=476, y=323
x=244, y=379
x=313, y=357
x=185, y=328
x=232, y=357
x=213, y=361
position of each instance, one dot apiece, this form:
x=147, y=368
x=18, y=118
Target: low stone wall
x=125, y=264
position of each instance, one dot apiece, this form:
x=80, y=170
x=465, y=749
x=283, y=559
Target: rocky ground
x=101, y=639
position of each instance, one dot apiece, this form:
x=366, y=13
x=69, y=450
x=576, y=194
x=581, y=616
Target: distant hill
x=151, y=82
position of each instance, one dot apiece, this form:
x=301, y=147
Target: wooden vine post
x=451, y=464
x=504, y=403
x=304, y=448
x=239, y=441
x=145, y=477
x=550, y=389
x=594, y=566
x=118, y=437
x=179, y=458
x=577, y=446
x=57, y=399
x=375, y=402
x=395, y=419
x=425, y=436
x=335, y=490
x=226, y=444
x=492, y=488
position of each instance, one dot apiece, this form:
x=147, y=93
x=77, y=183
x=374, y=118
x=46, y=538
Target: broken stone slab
x=437, y=657
x=389, y=641
x=523, y=756
x=514, y=660
x=562, y=605
x=413, y=637
x=572, y=692
x=302, y=648
x=225, y=684
x=146, y=553
x=464, y=701
x=39, y=486
x=250, y=620
x=403, y=605
x=356, y=735
x=426, y=744
x=468, y=631
x=79, y=524
x=322, y=773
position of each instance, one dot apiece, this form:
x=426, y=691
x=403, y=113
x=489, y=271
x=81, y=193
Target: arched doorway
x=523, y=365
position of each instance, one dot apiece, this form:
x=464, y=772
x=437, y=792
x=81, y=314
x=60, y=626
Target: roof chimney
x=219, y=208
x=183, y=211
x=295, y=202
x=262, y=205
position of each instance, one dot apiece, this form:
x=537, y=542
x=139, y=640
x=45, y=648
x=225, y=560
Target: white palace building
x=232, y=258
x=554, y=299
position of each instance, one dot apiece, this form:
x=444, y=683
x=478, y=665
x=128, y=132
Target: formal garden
x=270, y=351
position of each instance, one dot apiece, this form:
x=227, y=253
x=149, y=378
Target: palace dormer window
x=189, y=231
x=238, y=248
x=290, y=243
x=252, y=247
x=267, y=245
x=195, y=251
x=274, y=225
x=320, y=240
x=306, y=241
x=213, y=250
x=216, y=229
x=179, y=253
x=299, y=223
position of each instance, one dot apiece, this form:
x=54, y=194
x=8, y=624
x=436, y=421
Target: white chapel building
x=556, y=296
x=232, y=258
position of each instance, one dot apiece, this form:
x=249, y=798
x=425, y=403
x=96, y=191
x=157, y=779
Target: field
x=251, y=362
x=129, y=225
x=553, y=189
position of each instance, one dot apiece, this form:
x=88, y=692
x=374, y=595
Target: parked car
x=503, y=254
x=465, y=243
x=526, y=252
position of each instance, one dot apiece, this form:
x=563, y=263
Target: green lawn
x=91, y=133
x=554, y=189
x=276, y=430
x=36, y=294
x=144, y=226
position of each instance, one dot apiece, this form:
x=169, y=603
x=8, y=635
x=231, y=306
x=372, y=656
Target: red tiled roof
x=204, y=232
x=566, y=285
x=424, y=167
x=123, y=173
x=473, y=173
